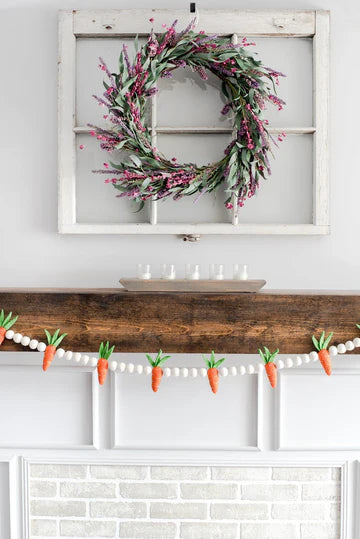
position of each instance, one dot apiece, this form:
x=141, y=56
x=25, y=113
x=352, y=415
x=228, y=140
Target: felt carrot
x=270, y=367
x=324, y=355
x=6, y=322
x=213, y=373
x=102, y=365
x=53, y=343
x=157, y=371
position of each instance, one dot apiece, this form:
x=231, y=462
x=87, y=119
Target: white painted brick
x=270, y=530
x=241, y=473
x=209, y=491
x=46, y=508
x=42, y=489
x=178, y=510
x=148, y=490
x=87, y=490
x=239, y=511
x=118, y=509
x=148, y=530
x=299, y=511
x=270, y=492
x=73, y=471
x=118, y=472
x=43, y=528
x=321, y=491
x=208, y=530
x=87, y=528
x=301, y=474
x=320, y=531
x=179, y=472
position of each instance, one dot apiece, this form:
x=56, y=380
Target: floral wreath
x=247, y=86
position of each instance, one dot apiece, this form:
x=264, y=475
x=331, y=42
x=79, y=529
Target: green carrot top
x=54, y=340
x=323, y=342
x=159, y=360
x=105, y=351
x=211, y=362
x=6, y=321
x=267, y=356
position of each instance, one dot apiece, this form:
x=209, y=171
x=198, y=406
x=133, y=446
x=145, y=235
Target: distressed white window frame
x=255, y=23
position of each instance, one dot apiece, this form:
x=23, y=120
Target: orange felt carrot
x=102, y=365
x=6, y=322
x=157, y=371
x=53, y=343
x=270, y=367
x=213, y=373
x=321, y=346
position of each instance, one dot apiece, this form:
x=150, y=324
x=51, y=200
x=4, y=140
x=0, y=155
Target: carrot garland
x=157, y=371
x=53, y=343
x=213, y=373
x=270, y=367
x=102, y=365
x=6, y=322
x=321, y=346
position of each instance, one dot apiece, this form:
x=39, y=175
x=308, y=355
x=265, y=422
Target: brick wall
x=184, y=502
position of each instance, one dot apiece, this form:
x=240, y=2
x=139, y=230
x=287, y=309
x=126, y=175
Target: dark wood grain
x=183, y=322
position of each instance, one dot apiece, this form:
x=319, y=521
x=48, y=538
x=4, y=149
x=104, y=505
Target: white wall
x=32, y=253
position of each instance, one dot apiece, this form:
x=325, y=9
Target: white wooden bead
x=148, y=369
x=260, y=367
x=233, y=371
x=356, y=342
x=113, y=365
x=289, y=362
x=60, y=352
x=122, y=366
x=68, y=355
x=41, y=347
x=242, y=370
x=314, y=356
x=298, y=361
x=130, y=368
x=349, y=345
x=250, y=369
x=184, y=372
x=341, y=348
x=93, y=361
x=175, y=371
x=193, y=372
x=33, y=344
x=333, y=350
x=306, y=358
x=167, y=372
x=280, y=364
x=203, y=372
x=84, y=359
x=77, y=357
x=224, y=371
x=25, y=341
x=9, y=334
x=17, y=337
x=139, y=369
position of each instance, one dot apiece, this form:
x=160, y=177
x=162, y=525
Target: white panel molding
x=280, y=404
x=115, y=444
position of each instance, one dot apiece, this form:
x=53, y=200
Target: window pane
x=96, y=201
x=199, y=149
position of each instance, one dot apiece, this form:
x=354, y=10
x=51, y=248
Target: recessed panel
x=318, y=411
x=4, y=500
x=184, y=413
x=52, y=409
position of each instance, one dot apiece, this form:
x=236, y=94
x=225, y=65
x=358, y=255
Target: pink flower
x=109, y=91
x=250, y=146
x=151, y=20
x=106, y=165
x=105, y=116
x=163, y=25
x=229, y=206
x=81, y=146
x=92, y=133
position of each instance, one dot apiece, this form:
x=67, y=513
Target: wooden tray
x=182, y=285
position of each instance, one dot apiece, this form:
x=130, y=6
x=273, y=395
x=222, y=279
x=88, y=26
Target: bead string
x=185, y=372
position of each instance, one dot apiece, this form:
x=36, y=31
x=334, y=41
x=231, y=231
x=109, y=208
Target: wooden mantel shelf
x=183, y=322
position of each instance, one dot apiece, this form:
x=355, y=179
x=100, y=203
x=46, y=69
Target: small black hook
x=192, y=7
